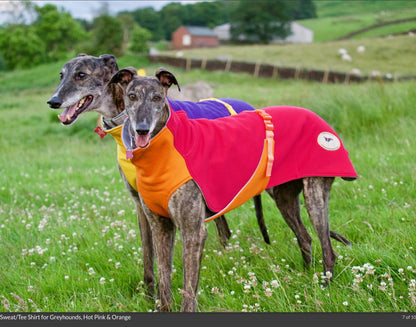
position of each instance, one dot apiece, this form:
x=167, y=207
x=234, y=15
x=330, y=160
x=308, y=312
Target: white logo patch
x=329, y=141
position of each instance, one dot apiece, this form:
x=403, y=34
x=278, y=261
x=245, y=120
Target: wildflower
x=370, y=300
x=102, y=280
x=328, y=275
x=215, y=290
x=412, y=285
x=401, y=270
x=121, y=213
x=382, y=286
x=268, y=292
x=118, y=265
x=66, y=277
x=358, y=279
x=91, y=271
x=409, y=268
x=345, y=303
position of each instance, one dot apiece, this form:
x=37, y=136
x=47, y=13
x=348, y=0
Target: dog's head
x=83, y=80
x=144, y=100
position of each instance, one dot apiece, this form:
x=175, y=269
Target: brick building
x=188, y=37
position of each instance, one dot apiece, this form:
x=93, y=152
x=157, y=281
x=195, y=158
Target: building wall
x=182, y=39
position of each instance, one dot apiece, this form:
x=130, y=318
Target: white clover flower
x=102, y=280
x=118, y=265
x=383, y=286
x=412, y=285
x=91, y=271
x=268, y=292
x=345, y=303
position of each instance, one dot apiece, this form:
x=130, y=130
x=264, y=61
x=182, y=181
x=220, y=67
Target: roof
x=200, y=31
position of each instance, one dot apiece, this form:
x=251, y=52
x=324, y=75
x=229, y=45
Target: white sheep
x=361, y=49
x=346, y=57
x=342, y=51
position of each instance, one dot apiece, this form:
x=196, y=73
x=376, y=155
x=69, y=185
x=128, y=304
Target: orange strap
x=269, y=139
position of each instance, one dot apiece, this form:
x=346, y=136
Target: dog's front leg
x=163, y=232
x=316, y=192
x=146, y=239
x=188, y=210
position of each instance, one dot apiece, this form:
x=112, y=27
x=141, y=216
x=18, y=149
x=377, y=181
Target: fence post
x=228, y=65
x=203, y=63
x=188, y=64
x=257, y=69
x=297, y=72
x=275, y=73
x=326, y=75
x=347, y=79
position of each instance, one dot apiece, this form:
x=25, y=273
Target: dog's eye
x=132, y=97
x=156, y=98
x=61, y=76
x=80, y=75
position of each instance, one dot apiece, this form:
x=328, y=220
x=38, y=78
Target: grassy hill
x=332, y=27
x=335, y=8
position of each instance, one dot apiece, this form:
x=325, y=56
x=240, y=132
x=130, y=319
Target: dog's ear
x=110, y=65
x=124, y=76
x=166, y=78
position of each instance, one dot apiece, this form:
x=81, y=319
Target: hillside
x=341, y=21
x=335, y=8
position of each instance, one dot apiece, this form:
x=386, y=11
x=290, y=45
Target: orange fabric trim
x=269, y=139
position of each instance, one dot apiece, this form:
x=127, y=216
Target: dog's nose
x=54, y=102
x=142, y=129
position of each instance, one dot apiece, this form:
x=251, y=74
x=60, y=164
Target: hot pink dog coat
x=235, y=158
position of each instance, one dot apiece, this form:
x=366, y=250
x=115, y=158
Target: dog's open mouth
x=71, y=113
x=141, y=141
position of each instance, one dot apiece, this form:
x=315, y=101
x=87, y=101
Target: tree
x=171, y=18
x=107, y=36
x=151, y=20
x=303, y=9
x=58, y=30
x=139, y=38
x=21, y=47
x=260, y=21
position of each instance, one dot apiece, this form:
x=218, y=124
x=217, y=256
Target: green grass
x=354, y=7
x=70, y=241
x=331, y=28
x=387, y=55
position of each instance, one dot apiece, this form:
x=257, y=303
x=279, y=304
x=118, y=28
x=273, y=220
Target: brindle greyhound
x=148, y=114
x=84, y=88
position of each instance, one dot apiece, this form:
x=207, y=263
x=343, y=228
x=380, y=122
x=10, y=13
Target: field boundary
x=259, y=69
x=368, y=28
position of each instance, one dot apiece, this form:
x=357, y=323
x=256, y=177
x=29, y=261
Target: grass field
x=70, y=241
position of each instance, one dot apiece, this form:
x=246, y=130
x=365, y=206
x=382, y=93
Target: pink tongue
x=68, y=113
x=142, y=140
